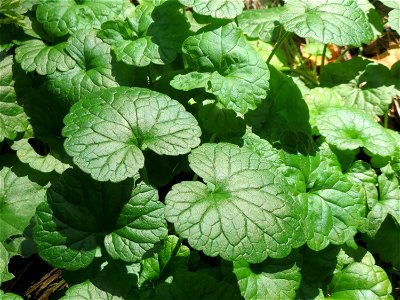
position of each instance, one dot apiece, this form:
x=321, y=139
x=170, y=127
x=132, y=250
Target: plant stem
x=278, y=45
x=386, y=119
x=342, y=55
x=173, y=254
x=323, y=56
x=143, y=174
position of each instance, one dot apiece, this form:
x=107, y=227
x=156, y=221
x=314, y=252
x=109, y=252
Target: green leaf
x=374, y=101
x=107, y=131
x=344, y=72
x=272, y=119
x=242, y=212
x=335, y=205
x=150, y=35
x=374, y=18
x=4, y=259
x=236, y=74
x=80, y=213
x=12, y=116
x=221, y=9
x=9, y=296
x=271, y=279
x=360, y=281
x=196, y=285
x=121, y=285
x=60, y=17
x=347, y=128
x=260, y=23
x=339, y=22
x=20, y=194
x=318, y=99
x=219, y=120
x=394, y=14
x=93, y=69
x=389, y=203
x=386, y=242
x=56, y=160
x=164, y=264
x=35, y=55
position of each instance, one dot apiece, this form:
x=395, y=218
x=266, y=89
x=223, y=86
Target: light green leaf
x=221, y=9
x=238, y=76
x=339, y=22
x=260, y=23
x=150, y=35
x=389, y=203
x=394, y=14
x=12, y=116
x=36, y=55
x=279, y=60
x=374, y=101
x=20, y=194
x=347, y=128
x=107, y=131
x=360, y=281
x=93, y=69
x=335, y=205
x=4, y=259
x=9, y=296
x=318, y=99
x=374, y=18
x=60, y=17
x=243, y=211
x=80, y=213
x=272, y=279
x=55, y=160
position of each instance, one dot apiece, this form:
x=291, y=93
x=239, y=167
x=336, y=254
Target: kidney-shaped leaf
x=107, y=131
x=244, y=211
x=222, y=9
x=36, y=55
x=339, y=22
x=80, y=212
x=232, y=70
x=349, y=129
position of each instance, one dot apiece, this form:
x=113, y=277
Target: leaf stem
x=277, y=46
x=342, y=55
x=323, y=56
x=143, y=174
x=173, y=254
x=386, y=119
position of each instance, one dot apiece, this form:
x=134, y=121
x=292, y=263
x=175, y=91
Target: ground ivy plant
x=165, y=149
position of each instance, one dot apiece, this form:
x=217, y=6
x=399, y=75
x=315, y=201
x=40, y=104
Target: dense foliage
x=167, y=150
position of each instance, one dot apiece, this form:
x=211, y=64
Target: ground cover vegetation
x=195, y=149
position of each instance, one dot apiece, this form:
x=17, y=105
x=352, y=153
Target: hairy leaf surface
x=107, y=132
x=339, y=22
x=244, y=211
